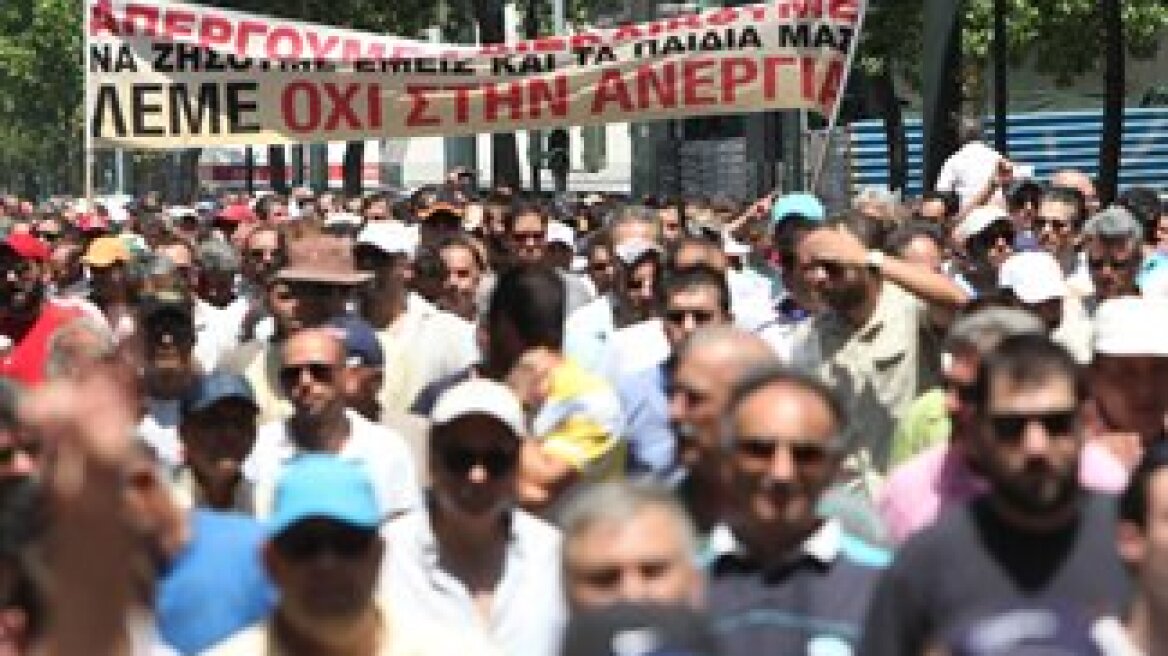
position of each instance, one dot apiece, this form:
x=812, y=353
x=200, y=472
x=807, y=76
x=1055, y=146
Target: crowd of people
x=475, y=422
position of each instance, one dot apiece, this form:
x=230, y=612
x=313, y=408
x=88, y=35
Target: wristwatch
x=875, y=260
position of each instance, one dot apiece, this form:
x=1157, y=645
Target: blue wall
x=1047, y=141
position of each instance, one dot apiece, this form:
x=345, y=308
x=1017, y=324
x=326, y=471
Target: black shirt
x=971, y=563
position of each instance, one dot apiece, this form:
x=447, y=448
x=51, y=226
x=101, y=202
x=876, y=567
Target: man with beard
x=879, y=338
x=1036, y=537
x=783, y=579
x=27, y=317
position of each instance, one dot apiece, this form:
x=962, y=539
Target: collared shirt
x=528, y=611
x=878, y=368
x=382, y=452
x=189, y=493
x=406, y=639
x=421, y=346
x=920, y=490
x=652, y=445
x=592, y=339
x=814, y=601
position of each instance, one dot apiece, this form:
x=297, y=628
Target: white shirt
x=383, y=453
x=420, y=347
x=968, y=171
x=529, y=612
x=159, y=430
x=217, y=330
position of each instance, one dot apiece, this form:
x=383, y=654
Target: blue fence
x=1047, y=141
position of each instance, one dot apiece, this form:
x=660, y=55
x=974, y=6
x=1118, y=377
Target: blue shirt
x=652, y=445
x=216, y=585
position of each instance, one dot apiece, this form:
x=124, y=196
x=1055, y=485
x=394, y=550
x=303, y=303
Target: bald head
x=315, y=344
x=1081, y=182
x=310, y=373
x=728, y=347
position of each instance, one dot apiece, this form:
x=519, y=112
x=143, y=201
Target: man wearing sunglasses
x=471, y=558
x=986, y=235
x=774, y=555
x=323, y=553
x=1036, y=536
x=1113, y=242
x=1061, y=213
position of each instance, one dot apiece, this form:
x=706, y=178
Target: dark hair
x=532, y=299
x=767, y=375
x=1144, y=204
x=1068, y=196
x=1023, y=193
x=521, y=208
x=902, y=236
x=1133, y=502
x=1028, y=359
x=872, y=233
x=428, y=265
x=691, y=277
x=947, y=198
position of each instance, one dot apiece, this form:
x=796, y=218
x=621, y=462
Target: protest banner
x=166, y=74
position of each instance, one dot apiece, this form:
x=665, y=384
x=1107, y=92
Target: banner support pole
x=831, y=121
x=87, y=138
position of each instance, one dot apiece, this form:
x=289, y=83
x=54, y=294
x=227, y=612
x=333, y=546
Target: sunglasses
x=1009, y=427
x=700, y=317
x=831, y=268
x=263, y=253
x=460, y=461
x=32, y=449
x=291, y=375
x=804, y=453
x=1114, y=263
x=309, y=544
x=316, y=290
x=1058, y=225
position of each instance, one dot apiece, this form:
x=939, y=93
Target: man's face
x=378, y=210
x=528, y=238
x=310, y=374
x=277, y=212
x=643, y=558
x=261, y=256
x=169, y=339
x=960, y=376
x=65, y=265
x=463, y=276
x=783, y=454
x=697, y=397
x=670, y=224
x=360, y=385
x=326, y=571
x=1129, y=392
x=317, y=302
x=473, y=462
x=184, y=263
x=641, y=288
x=1113, y=264
x=933, y=210
x=1055, y=226
x=108, y=281
x=390, y=270
x=217, y=439
x=21, y=452
x=839, y=286
x=994, y=245
x=21, y=287
x=1029, y=442
x=1082, y=183
x=688, y=309
x=601, y=269
x=217, y=287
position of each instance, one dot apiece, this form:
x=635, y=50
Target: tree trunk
x=352, y=168
x=278, y=169
x=504, y=153
x=884, y=90
x=1115, y=82
x=1001, y=82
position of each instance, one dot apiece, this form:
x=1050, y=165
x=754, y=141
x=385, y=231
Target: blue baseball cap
x=323, y=486
x=360, y=339
x=215, y=387
x=804, y=205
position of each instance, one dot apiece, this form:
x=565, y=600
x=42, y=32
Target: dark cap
x=627, y=629
x=446, y=201
x=160, y=303
x=361, y=346
x=215, y=387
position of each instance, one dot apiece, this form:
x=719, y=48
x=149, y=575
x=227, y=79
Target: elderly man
x=1113, y=242
x=323, y=553
x=312, y=364
x=1080, y=182
x=1061, y=213
x=775, y=555
x=469, y=557
x=629, y=541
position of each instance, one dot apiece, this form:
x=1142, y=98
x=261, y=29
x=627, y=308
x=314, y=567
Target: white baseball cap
x=389, y=237
x=1132, y=325
x=978, y=219
x=480, y=396
x=559, y=233
x=1033, y=276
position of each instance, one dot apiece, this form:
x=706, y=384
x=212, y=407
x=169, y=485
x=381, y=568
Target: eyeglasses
x=1115, y=263
x=529, y=237
x=32, y=448
x=805, y=453
x=317, y=290
x=700, y=317
x=309, y=543
x=1009, y=427
x=263, y=253
x=1058, y=225
x=291, y=374
x=460, y=461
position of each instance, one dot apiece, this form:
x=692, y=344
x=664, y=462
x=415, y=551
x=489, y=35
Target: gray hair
x=619, y=502
x=766, y=375
x=215, y=255
x=61, y=354
x=628, y=214
x=983, y=330
x=1113, y=224
x=744, y=349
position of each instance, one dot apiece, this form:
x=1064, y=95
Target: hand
x=839, y=246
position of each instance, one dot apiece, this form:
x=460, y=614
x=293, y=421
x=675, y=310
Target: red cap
x=236, y=214
x=87, y=222
x=27, y=246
